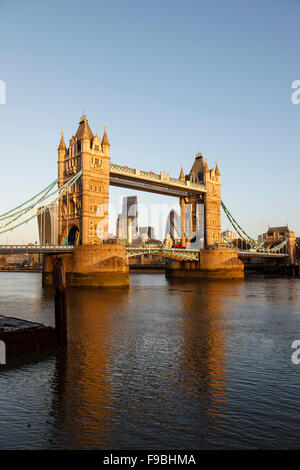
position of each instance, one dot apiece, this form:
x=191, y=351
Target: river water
x=163, y=364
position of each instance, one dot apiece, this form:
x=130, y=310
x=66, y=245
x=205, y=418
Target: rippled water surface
x=193, y=365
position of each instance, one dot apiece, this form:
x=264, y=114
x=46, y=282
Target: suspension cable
x=40, y=210
x=281, y=245
x=27, y=209
x=13, y=211
x=238, y=228
x=250, y=241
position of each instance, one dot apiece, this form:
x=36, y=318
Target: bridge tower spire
x=182, y=175
x=105, y=143
x=61, y=155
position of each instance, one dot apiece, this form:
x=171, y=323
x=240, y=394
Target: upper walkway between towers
x=162, y=183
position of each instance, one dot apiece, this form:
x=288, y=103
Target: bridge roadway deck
x=10, y=249
x=184, y=254
x=252, y=254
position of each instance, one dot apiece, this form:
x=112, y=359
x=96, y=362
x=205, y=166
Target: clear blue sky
x=167, y=78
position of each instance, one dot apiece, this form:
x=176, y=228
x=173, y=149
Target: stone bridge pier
x=93, y=266
x=213, y=264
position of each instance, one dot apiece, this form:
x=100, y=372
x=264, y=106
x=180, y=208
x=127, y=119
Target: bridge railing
x=176, y=253
x=122, y=169
x=148, y=174
x=36, y=247
x=163, y=177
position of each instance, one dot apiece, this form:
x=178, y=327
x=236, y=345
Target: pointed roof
x=217, y=171
x=62, y=145
x=182, y=175
x=206, y=169
x=198, y=167
x=105, y=138
x=84, y=131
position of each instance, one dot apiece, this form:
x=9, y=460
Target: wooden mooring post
x=61, y=326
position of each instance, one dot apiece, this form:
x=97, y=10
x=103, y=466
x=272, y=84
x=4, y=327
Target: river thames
x=161, y=365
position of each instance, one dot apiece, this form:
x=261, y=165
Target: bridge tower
x=201, y=174
x=83, y=211
x=215, y=261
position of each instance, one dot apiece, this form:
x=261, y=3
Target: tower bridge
x=83, y=211
x=85, y=173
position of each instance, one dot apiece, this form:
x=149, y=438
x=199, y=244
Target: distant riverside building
x=127, y=221
x=278, y=233
x=146, y=233
x=48, y=226
x=229, y=235
x=21, y=259
x=173, y=229
x=16, y=258
x=275, y=235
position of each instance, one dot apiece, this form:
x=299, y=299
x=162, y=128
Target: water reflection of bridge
x=114, y=388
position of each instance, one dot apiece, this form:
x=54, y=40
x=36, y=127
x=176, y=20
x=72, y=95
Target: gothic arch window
x=200, y=178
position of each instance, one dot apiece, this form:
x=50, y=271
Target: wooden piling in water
x=61, y=326
x=290, y=270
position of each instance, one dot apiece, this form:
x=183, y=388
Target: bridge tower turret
x=61, y=156
x=105, y=143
